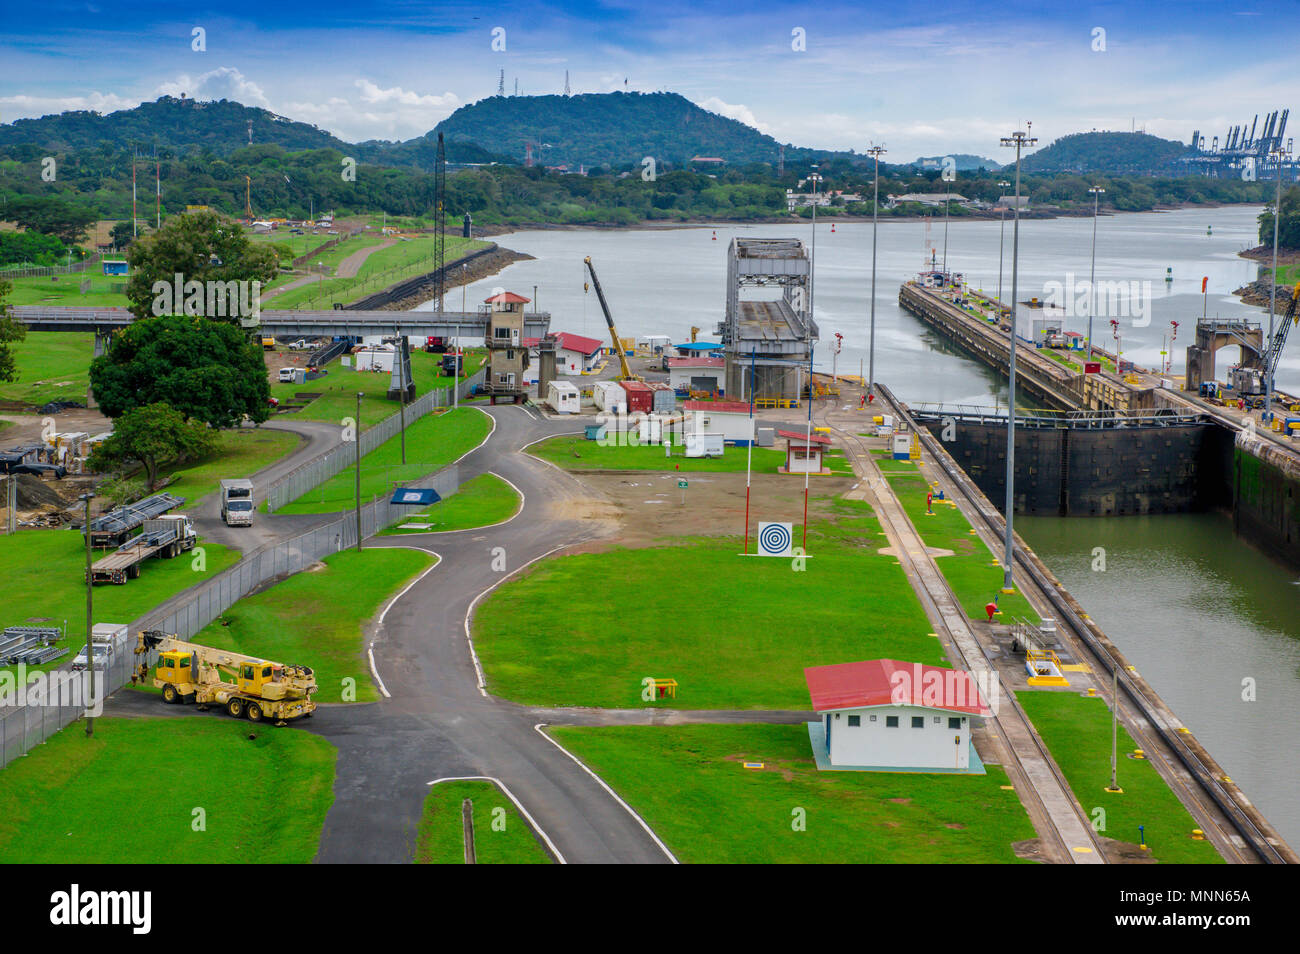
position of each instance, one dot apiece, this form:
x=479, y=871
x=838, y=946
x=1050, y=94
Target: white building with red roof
x=729, y=418
x=575, y=354
x=887, y=715
x=696, y=374
x=804, y=452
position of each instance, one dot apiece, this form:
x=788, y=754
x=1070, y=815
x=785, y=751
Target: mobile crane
x=260, y=690
x=1250, y=383
x=609, y=320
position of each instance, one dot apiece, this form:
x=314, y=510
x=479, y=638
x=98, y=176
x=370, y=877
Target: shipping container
x=639, y=396
x=608, y=396
x=664, y=398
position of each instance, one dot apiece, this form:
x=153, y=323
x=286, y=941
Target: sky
x=933, y=78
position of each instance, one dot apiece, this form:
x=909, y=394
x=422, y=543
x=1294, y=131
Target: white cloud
x=13, y=107
x=225, y=82
x=738, y=112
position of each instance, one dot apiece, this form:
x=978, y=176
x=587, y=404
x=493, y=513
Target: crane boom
x=609, y=320
x=1276, y=345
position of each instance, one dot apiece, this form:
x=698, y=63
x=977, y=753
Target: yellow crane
x=609, y=320
x=261, y=689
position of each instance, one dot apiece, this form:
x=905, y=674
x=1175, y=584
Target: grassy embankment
x=481, y=502
x=501, y=836
x=690, y=785
x=338, y=389
x=137, y=791
x=317, y=618
x=44, y=578
x=432, y=442
x=974, y=574
x=735, y=632
x=1077, y=730
x=574, y=452
x=395, y=263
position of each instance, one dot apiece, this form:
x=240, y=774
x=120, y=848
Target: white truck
x=109, y=642
x=237, y=502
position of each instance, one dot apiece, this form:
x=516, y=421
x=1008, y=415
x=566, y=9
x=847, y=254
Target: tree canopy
x=1288, y=230
x=11, y=330
x=198, y=246
x=50, y=215
x=207, y=370
x=154, y=435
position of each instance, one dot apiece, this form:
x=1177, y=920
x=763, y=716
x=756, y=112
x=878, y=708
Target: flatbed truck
x=166, y=536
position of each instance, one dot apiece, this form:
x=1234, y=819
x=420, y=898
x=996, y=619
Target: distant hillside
x=178, y=124
x=964, y=160
x=221, y=127
x=610, y=129
x=1113, y=153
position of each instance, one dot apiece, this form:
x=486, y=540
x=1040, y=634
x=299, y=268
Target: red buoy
x=715, y=235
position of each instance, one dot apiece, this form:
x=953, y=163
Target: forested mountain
x=1117, y=153
x=611, y=130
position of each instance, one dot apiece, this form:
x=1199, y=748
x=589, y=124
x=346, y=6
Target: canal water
x=1194, y=608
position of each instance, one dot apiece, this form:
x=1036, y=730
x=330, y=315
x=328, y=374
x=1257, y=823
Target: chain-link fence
x=30, y=714
x=316, y=471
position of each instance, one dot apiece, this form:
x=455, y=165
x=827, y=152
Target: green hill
x=1113, y=153
x=611, y=130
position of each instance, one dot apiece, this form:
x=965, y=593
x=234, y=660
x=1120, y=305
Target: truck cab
x=237, y=503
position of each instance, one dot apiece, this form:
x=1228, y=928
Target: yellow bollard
x=1198, y=835
x=1139, y=754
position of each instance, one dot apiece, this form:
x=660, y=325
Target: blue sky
x=922, y=78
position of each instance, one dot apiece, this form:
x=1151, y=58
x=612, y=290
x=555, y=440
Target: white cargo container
x=699, y=444
x=563, y=397
x=609, y=396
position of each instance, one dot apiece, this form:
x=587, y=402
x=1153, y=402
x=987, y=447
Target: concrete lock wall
x=1091, y=472
x=1266, y=508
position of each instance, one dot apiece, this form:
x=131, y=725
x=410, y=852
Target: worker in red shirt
x=929, y=502
x=991, y=608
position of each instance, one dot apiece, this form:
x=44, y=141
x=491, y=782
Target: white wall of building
x=573, y=362
x=680, y=378
x=811, y=464
x=732, y=426
x=934, y=745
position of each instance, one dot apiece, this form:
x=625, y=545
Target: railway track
x=1059, y=819
x=1227, y=815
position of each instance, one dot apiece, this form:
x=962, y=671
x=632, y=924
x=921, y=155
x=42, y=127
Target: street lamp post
x=356, y=437
x=90, y=643
x=875, y=152
x=947, y=196
x=1097, y=193
x=814, y=178
x=1002, y=237
x=1272, y=292
x=1019, y=140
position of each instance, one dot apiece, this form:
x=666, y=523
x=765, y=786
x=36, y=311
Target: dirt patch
x=899, y=801
x=27, y=428
x=955, y=826
x=646, y=508
x=1031, y=850
x=1125, y=853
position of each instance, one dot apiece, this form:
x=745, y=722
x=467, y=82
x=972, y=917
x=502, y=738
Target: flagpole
x=749, y=451
x=807, y=444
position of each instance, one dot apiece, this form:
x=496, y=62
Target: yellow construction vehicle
x=609, y=320
x=188, y=672
x=694, y=331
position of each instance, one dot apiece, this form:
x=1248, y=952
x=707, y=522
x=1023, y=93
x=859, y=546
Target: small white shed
x=563, y=397
x=729, y=418
x=609, y=396
x=889, y=715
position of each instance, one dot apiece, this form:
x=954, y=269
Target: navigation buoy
x=1169, y=274
x=715, y=235
x=832, y=226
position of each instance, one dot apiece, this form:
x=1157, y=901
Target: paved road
x=348, y=268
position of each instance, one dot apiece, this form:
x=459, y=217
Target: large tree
x=153, y=435
x=1288, y=236
x=198, y=246
x=206, y=370
x=51, y=216
x=11, y=330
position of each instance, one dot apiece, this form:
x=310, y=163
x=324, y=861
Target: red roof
x=721, y=407
x=578, y=343
x=801, y=438
x=883, y=682
x=637, y=386
x=507, y=298
x=532, y=342
x=695, y=362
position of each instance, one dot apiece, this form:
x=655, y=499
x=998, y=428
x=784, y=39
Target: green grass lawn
x=432, y=442
x=132, y=794
x=44, y=578
x=316, y=618
x=51, y=366
x=690, y=785
x=395, y=263
x=970, y=570
x=240, y=453
x=1077, y=730
x=501, y=836
x=59, y=290
x=338, y=389
x=481, y=502
x=734, y=631
x=574, y=452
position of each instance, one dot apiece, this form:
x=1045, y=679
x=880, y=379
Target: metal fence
x=25, y=722
x=45, y=271
x=313, y=473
